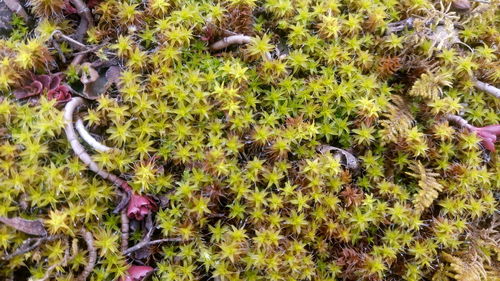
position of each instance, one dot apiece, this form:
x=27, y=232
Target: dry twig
x=461, y=122
x=146, y=243
x=67, y=257
x=487, y=88
x=74, y=43
x=230, y=40
x=86, y=20
x=87, y=236
x=90, y=140
x=31, y=244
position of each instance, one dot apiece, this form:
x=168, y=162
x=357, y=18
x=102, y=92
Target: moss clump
x=257, y=140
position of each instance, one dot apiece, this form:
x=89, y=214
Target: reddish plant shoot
x=488, y=135
x=137, y=273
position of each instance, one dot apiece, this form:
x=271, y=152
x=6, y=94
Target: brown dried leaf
x=349, y=160
x=89, y=75
x=33, y=227
x=113, y=74
x=95, y=84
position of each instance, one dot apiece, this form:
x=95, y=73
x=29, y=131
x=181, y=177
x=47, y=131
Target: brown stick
x=125, y=230
x=59, y=51
x=123, y=202
x=83, y=11
x=31, y=244
x=17, y=8
x=76, y=44
x=143, y=244
x=87, y=236
x=77, y=59
x=459, y=121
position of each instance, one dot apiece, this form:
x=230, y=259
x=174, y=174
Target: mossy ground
x=238, y=147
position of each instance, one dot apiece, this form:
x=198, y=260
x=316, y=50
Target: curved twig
x=143, y=244
x=75, y=43
x=89, y=239
x=83, y=11
x=487, y=88
x=123, y=202
x=90, y=140
x=77, y=59
x=86, y=20
x=79, y=150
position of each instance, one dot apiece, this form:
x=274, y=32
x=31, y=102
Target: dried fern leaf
x=399, y=120
x=429, y=187
x=463, y=270
x=429, y=85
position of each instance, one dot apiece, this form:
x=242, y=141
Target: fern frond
x=398, y=120
x=466, y=270
x=429, y=85
x=429, y=187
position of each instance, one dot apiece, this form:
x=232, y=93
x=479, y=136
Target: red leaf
x=137, y=273
x=488, y=135
x=34, y=89
x=139, y=206
x=60, y=94
x=44, y=79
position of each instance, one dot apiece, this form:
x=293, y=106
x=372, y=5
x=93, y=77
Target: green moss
x=229, y=141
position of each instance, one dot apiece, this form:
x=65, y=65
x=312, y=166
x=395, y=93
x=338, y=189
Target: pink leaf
x=139, y=206
x=22, y=93
x=60, y=94
x=492, y=129
x=44, y=79
x=54, y=82
x=137, y=273
x=34, y=89
x=488, y=135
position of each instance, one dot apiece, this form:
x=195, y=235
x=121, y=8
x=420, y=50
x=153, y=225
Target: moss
x=241, y=157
